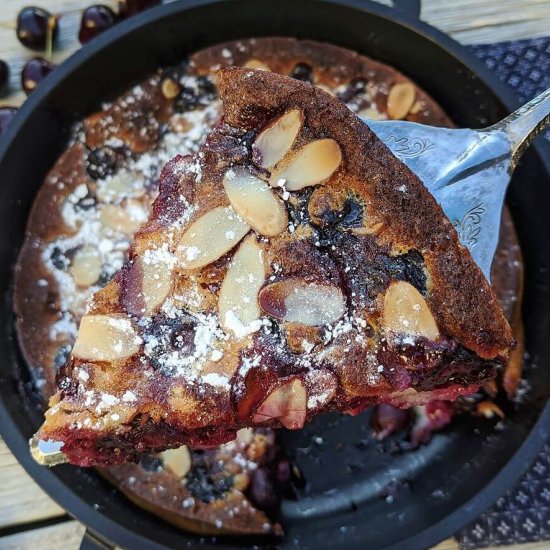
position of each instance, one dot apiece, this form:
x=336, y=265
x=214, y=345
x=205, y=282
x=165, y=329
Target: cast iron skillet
x=437, y=489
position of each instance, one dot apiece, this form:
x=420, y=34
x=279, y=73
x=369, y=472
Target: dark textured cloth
x=523, y=513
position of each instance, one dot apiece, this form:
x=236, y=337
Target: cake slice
x=293, y=266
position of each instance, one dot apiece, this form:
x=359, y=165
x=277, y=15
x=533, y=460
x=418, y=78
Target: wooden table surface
x=28, y=517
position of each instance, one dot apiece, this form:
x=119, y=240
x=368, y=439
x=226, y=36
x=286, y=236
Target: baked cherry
x=6, y=116
x=262, y=492
x=4, y=74
x=34, y=71
x=127, y=8
x=95, y=20
x=303, y=72
x=36, y=28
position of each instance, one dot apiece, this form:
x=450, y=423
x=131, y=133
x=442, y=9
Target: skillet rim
x=116, y=532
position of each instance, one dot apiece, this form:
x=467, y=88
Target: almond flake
x=210, y=237
x=311, y=165
x=255, y=202
x=296, y=301
x=406, y=312
x=400, y=100
x=106, y=338
x=238, y=307
x=275, y=141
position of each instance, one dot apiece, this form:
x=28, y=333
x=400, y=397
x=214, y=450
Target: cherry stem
x=52, y=22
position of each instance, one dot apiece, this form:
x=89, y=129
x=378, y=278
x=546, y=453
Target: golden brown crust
x=333, y=66
x=462, y=300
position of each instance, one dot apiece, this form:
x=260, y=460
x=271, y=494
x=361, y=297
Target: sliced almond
x=310, y=165
x=238, y=307
x=274, y=142
x=86, y=266
x=170, y=88
x=296, y=301
x=417, y=107
x=371, y=114
x=120, y=186
x=210, y=237
x=178, y=461
x=106, y=338
x=256, y=64
x=288, y=404
x=255, y=202
x=124, y=219
x=148, y=282
x=406, y=312
x=400, y=100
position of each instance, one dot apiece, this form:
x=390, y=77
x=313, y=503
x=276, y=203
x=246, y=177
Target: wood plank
x=67, y=536
x=21, y=499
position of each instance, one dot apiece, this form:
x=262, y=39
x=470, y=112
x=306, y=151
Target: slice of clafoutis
x=293, y=266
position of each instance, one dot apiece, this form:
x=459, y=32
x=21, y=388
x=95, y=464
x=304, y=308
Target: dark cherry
x=95, y=20
x=6, y=116
x=262, y=492
x=127, y=8
x=34, y=26
x=101, y=162
x=4, y=74
x=283, y=471
x=387, y=420
x=34, y=71
x=303, y=72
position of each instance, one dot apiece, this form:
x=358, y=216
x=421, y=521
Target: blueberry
x=187, y=100
x=351, y=215
x=150, y=463
x=95, y=20
x=303, y=72
x=101, y=162
x=354, y=88
x=36, y=28
x=59, y=259
x=6, y=116
x=34, y=71
x=62, y=356
x=204, y=482
x=86, y=203
x=207, y=90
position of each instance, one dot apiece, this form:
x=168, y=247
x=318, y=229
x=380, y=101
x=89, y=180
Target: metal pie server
x=468, y=171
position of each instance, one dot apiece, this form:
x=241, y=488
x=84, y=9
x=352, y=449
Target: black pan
x=435, y=490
